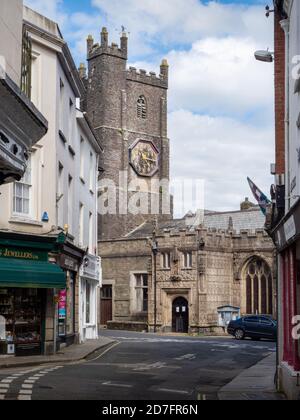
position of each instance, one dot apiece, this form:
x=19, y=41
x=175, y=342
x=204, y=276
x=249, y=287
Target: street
x=140, y=367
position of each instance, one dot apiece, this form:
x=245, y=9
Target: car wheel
x=239, y=334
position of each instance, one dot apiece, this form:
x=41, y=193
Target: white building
x=59, y=189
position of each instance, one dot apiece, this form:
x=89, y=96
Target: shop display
x=21, y=309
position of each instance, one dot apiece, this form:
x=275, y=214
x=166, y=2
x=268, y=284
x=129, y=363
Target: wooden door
x=106, y=305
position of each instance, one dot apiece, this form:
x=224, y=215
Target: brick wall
x=279, y=95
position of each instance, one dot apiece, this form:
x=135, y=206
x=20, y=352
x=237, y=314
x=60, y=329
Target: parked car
x=255, y=327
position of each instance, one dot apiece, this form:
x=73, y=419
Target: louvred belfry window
x=142, y=108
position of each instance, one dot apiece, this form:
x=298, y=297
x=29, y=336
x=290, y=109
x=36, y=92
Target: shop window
x=141, y=288
x=22, y=193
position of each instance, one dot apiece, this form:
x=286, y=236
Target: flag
x=260, y=197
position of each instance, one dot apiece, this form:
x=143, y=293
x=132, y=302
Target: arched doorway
x=259, y=287
x=180, y=315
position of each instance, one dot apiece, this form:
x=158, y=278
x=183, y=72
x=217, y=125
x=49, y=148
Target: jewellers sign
x=21, y=254
x=290, y=228
x=91, y=267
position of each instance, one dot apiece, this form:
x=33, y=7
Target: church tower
x=128, y=110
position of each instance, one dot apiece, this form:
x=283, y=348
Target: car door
x=252, y=326
x=267, y=328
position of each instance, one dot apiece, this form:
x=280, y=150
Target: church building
x=162, y=274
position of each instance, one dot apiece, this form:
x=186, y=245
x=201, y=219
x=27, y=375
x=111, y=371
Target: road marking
x=27, y=386
x=186, y=357
x=173, y=391
x=25, y=392
x=102, y=354
x=3, y=391
x=7, y=381
x=24, y=397
x=116, y=385
x=30, y=381
x=4, y=385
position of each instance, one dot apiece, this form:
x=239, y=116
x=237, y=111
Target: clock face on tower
x=144, y=158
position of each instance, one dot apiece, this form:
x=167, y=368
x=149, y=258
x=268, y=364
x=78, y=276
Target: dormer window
x=142, y=108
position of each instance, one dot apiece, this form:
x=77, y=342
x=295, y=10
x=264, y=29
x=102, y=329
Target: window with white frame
x=141, y=287
x=166, y=260
x=22, y=193
x=187, y=259
x=91, y=236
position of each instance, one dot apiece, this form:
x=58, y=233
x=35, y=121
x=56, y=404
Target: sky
x=221, y=110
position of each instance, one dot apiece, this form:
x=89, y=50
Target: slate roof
x=251, y=219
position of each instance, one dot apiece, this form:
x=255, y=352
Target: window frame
x=28, y=183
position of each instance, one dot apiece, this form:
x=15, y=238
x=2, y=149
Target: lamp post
x=154, y=247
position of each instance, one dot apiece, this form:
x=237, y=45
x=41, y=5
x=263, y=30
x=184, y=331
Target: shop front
x=287, y=238
x=27, y=284
x=90, y=281
x=70, y=259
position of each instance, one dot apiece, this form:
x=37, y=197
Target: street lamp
x=154, y=248
x=264, y=56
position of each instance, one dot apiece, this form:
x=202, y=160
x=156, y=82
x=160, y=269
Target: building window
x=166, y=260
x=142, y=108
x=141, y=281
x=187, y=260
x=22, y=193
x=259, y=288
x=26, y=64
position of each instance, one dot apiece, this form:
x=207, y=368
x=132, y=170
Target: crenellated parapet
x=95, y=49
x=152, y=79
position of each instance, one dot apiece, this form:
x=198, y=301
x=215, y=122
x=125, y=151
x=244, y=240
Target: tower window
x=142, y=108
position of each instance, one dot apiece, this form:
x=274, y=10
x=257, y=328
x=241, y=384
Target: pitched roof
x=251, y=219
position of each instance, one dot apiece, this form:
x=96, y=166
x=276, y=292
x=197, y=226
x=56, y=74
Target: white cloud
x=223, y=152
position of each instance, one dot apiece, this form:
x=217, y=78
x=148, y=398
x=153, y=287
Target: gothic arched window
x=142, y=108
x=259, y=288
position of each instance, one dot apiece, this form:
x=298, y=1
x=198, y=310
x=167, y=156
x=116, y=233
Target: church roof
x=251, y=219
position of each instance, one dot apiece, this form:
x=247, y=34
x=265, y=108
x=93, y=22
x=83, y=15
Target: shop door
x=106, y=304
x=180, y=316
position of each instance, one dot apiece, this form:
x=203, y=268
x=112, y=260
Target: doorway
x=106, y=305
x=180, y=316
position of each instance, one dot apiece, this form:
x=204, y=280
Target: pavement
x=70, y=354
x=256, y=383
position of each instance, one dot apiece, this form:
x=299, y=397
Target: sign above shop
x=18, y=253
x=69, y=263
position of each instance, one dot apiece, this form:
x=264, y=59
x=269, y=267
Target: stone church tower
x=128, y=110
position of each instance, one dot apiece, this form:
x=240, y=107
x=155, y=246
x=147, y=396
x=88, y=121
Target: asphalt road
x=140, y=367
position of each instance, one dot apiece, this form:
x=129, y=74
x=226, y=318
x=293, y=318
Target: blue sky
x=220, y=98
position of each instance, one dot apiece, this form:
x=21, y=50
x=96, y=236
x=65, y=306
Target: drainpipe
x=285, y=24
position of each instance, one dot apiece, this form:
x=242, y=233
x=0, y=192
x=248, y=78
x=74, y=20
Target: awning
x=31, y=274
